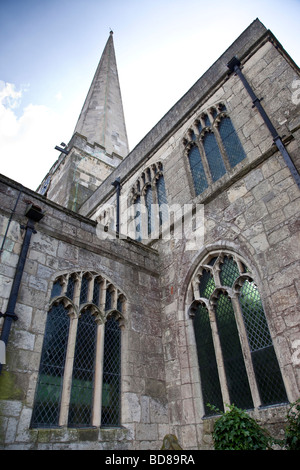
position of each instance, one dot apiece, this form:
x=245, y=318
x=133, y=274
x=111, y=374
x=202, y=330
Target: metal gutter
x=34, y=214
x=234, y=66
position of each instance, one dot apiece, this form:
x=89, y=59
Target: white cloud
x=27, y=140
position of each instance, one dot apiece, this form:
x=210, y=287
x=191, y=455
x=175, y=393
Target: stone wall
x=67, y=242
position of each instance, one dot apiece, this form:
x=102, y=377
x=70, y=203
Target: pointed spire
x=102, y=117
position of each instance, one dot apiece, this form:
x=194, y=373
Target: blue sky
x=50, y=50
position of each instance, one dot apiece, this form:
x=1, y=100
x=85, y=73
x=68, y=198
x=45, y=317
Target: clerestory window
x=149, y=202
x=236, y=356
x=212, y=147
x=79, y=377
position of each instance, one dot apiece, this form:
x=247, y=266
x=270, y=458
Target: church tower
x=99, y=142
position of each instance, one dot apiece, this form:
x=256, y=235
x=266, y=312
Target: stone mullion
x=103, y=295
x=91, y=289
x=246, y=351
x=98, y=379
x=204, y=161
x=67, y=381
x=222, y=149
x=219, y=356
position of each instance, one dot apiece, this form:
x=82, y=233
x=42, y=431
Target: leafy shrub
x=236, y=430
x=292, y=431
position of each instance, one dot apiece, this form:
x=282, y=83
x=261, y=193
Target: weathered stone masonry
x=60, y=246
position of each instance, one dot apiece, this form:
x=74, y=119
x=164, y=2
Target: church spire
x=101, y=119
x=99, y=142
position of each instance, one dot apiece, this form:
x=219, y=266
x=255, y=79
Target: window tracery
x=236, y=356
x=149, y=200
x=69, y=389
x=212, y=147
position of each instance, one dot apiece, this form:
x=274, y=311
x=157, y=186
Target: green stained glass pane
x=214, y=157
x=197, y=170
x=208, y=369
x=81, y=399
x=235, y=370
x=207, y=284
x=111, y=389
x=49, y=386
x=229, y=271
x=265, y=364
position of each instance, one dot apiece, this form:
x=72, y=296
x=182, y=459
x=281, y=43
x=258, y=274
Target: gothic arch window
x=149, y=202
x=197, y=169
x=212, y=147
x=236, y=357
x=213, y=156
x=79, y=378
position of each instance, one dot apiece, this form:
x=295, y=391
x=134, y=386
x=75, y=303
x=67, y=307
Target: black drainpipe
x=234, y=66
x=117, y=185
x=34, y=214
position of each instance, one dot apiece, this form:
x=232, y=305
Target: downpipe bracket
x=9, y=315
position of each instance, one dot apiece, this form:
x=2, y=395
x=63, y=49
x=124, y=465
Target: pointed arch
x=249, y=372
x=51, y=371
x=82, y=304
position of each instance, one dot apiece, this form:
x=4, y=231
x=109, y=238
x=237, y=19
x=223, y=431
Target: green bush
x=236, y=430
x=292, y=431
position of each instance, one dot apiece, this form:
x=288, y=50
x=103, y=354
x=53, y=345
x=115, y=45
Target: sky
x=50, y=50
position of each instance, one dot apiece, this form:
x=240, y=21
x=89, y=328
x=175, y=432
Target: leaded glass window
x=215, y=150
x=162, y=199
x=207, y=284
x=137, y=217
x=50, y=380
x=229, y=316
x=236, y=375
x=71, y=287
x=149, y=203
x=197, y=170
x=231, y=142
x=149, y=198
x=84, y=289
x=214, y=157
x=266, y=368
x=97, y=290
x=211, y=389
x=229, y=271
x=80, y=409
x=56, y=289
x=111, y=390
x=71, y=334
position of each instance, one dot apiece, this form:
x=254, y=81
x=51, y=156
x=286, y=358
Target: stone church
x=139, y=288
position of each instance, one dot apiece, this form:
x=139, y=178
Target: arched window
x=149, y=198
x=162, y=199
x=214, y=150
x=81, y=399
x=149, y=208
x=231, y=142
x=111, y=391
x=137, y=217
x=49, y=387
x=236, y=356
x=214, y=157
x=197, y=170
x=76, y=325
